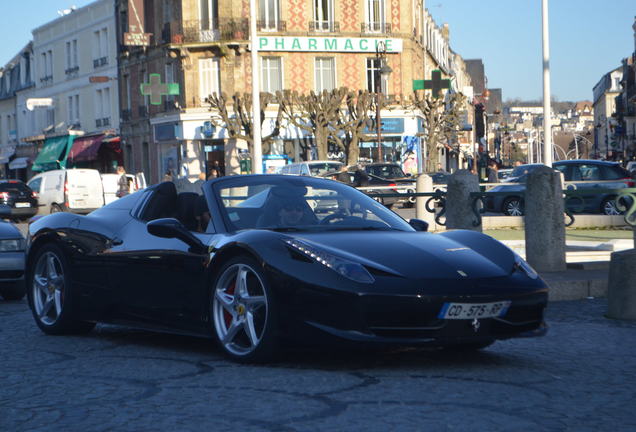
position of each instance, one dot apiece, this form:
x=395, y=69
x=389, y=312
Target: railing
x=46, y=80
x=324, y=26
x=278, y=26
x=99, y=62
x=125, y=115
x=382, y=28
x=226, y=29
x=72, y=72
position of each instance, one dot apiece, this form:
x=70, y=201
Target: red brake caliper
x=226, y=315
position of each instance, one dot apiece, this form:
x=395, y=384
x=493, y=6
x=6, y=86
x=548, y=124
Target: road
x=581, y=377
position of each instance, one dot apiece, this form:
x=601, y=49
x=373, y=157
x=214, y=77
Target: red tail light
x=66, y=193
x=392, y=184
x=4, y=195
x=35, y=195
x=629, y=182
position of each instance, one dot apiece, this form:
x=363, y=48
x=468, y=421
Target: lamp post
x=382, y=70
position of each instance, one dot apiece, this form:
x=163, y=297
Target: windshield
x=386, y=171
x=285, y=203
x=318, y=169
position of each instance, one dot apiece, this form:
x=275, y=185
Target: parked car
x=311, y=168
x=74, y=190
x=584, y=175
x=11, y=260
x=382, y=172
x=361, y=179
x=19, y=201
x=503, y=174
x=273, y=272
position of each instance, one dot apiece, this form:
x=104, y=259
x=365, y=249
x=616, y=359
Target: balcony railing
x=102, y=61
x=324, y=26
x=143, y=110
x=125, y=115
x=226, y=29
x=46, y=80
x=71, y=72
x=279, y=26
x=382, y=28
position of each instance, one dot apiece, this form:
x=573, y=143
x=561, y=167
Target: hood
x=418, y=255
x=9, y=231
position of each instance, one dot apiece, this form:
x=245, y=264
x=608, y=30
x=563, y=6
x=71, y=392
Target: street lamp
x=382, y=71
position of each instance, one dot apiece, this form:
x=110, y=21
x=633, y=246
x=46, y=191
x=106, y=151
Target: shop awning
x=85, y=148
x=19, y=163
x=53, y=154
x=5, y=153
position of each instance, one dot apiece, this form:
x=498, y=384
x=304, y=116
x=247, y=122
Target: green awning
x=53, y=154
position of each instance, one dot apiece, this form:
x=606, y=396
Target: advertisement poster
x=169, y=162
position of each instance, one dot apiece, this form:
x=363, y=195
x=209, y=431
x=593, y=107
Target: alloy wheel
x=513, y=208
x=609, y=208
x=240, y=309
x=48, y=288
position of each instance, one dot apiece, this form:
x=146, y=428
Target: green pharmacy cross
x=436, y=83
x=155, y=89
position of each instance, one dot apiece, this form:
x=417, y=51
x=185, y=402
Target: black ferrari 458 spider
x=253, y=264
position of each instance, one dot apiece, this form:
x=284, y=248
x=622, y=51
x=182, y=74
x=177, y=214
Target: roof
x=588, y=161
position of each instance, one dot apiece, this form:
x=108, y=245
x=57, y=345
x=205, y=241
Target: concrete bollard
x=544, y=220
x=424, y=184
x=621, y=287
x=459, y=213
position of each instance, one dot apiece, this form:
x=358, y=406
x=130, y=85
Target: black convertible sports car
x=251, y=264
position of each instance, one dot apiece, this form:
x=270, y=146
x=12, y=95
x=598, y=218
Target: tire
x=512, y=206
x=608, y=207
x=13, y=291
x=52, y=298
x=56, y=208
x=467, y=347
x=244, y=324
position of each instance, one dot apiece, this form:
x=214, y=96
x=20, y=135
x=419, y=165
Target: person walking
x=123, y=187
x=492, y=172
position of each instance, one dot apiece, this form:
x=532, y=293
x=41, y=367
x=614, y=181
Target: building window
x=167, y=11
x=209, y=82
x=269, y=14
x=72, y=62
x=102, y=107
x=325, y=68
x=73, y=110
x=47, y=67
x=271, y=74
x=323, y=14
x=373, y=71
x=50, y=117
x=100, y=47
x=375, y=15
x=169, y=77
x=209, y=13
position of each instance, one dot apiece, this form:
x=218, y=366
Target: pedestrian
x=167, y=176
x=360, y=177
x=212, y=174
x=441, y=169
x=123, y=187
x=219, y=170
x=492, y=172
x=518, y=163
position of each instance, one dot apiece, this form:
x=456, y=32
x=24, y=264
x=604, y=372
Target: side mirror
x=172, y=228
x=419, y=224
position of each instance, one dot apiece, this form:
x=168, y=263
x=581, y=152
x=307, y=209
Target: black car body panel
x=126, y=275
x=17, y=200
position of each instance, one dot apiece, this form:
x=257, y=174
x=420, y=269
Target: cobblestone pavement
x=581, y=377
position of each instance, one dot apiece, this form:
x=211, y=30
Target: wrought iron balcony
x=225, y=30
x=375, y=27
x=72, y=72
x=46, y=80
x=324, y=26
x=125, y=115
x=102, y=61
x=278, y=26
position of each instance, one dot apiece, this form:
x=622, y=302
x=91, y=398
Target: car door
x=586, y=178
x=159, y=281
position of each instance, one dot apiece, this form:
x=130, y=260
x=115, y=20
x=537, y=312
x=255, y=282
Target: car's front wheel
x=243, y=312
x=51, y=296
x=608, y=207
x=512, y=206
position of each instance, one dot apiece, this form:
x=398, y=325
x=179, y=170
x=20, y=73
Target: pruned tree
x=315, y=113
x=353, y=117
x=441, y=120
x=238, y=120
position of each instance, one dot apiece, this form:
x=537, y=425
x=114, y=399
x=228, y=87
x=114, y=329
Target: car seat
x=185, y=213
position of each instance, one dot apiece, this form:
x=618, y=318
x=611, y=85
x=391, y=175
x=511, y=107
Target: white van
x=313, y=168
x=111, y=185
x=73, y=190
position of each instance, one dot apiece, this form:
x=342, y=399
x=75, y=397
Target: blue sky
x=587, y=38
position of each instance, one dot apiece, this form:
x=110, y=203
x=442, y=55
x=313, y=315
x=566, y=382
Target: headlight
x=12, y=245
x=521, y=264
x=349, y=269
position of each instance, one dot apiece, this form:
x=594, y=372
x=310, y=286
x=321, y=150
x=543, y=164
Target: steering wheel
x=333, y=217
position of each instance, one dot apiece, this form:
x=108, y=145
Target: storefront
x=53, y=154
x=101, y=152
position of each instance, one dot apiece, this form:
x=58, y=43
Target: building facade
x=606, y=143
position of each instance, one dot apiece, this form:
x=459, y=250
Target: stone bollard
x=621, y=287
x=424, y=184
x=459, y=213
x=544, y=220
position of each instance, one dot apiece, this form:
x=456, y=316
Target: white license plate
x=473, y=310
x=22, y=205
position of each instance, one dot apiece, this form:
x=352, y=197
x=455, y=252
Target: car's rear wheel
x=56, y=208
x=512, y=206
x=13, y=291
x=51, y=296
x=243, y=312
x=608, y=207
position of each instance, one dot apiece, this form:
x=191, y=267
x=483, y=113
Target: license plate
x=473, y=310
x=22, y=205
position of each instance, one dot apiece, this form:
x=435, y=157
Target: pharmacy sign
x=327, y=44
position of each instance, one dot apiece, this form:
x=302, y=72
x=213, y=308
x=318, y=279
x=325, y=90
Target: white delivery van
x=75, y=190
x=111, y=185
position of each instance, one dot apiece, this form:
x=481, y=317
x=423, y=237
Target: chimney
x=446, y=32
